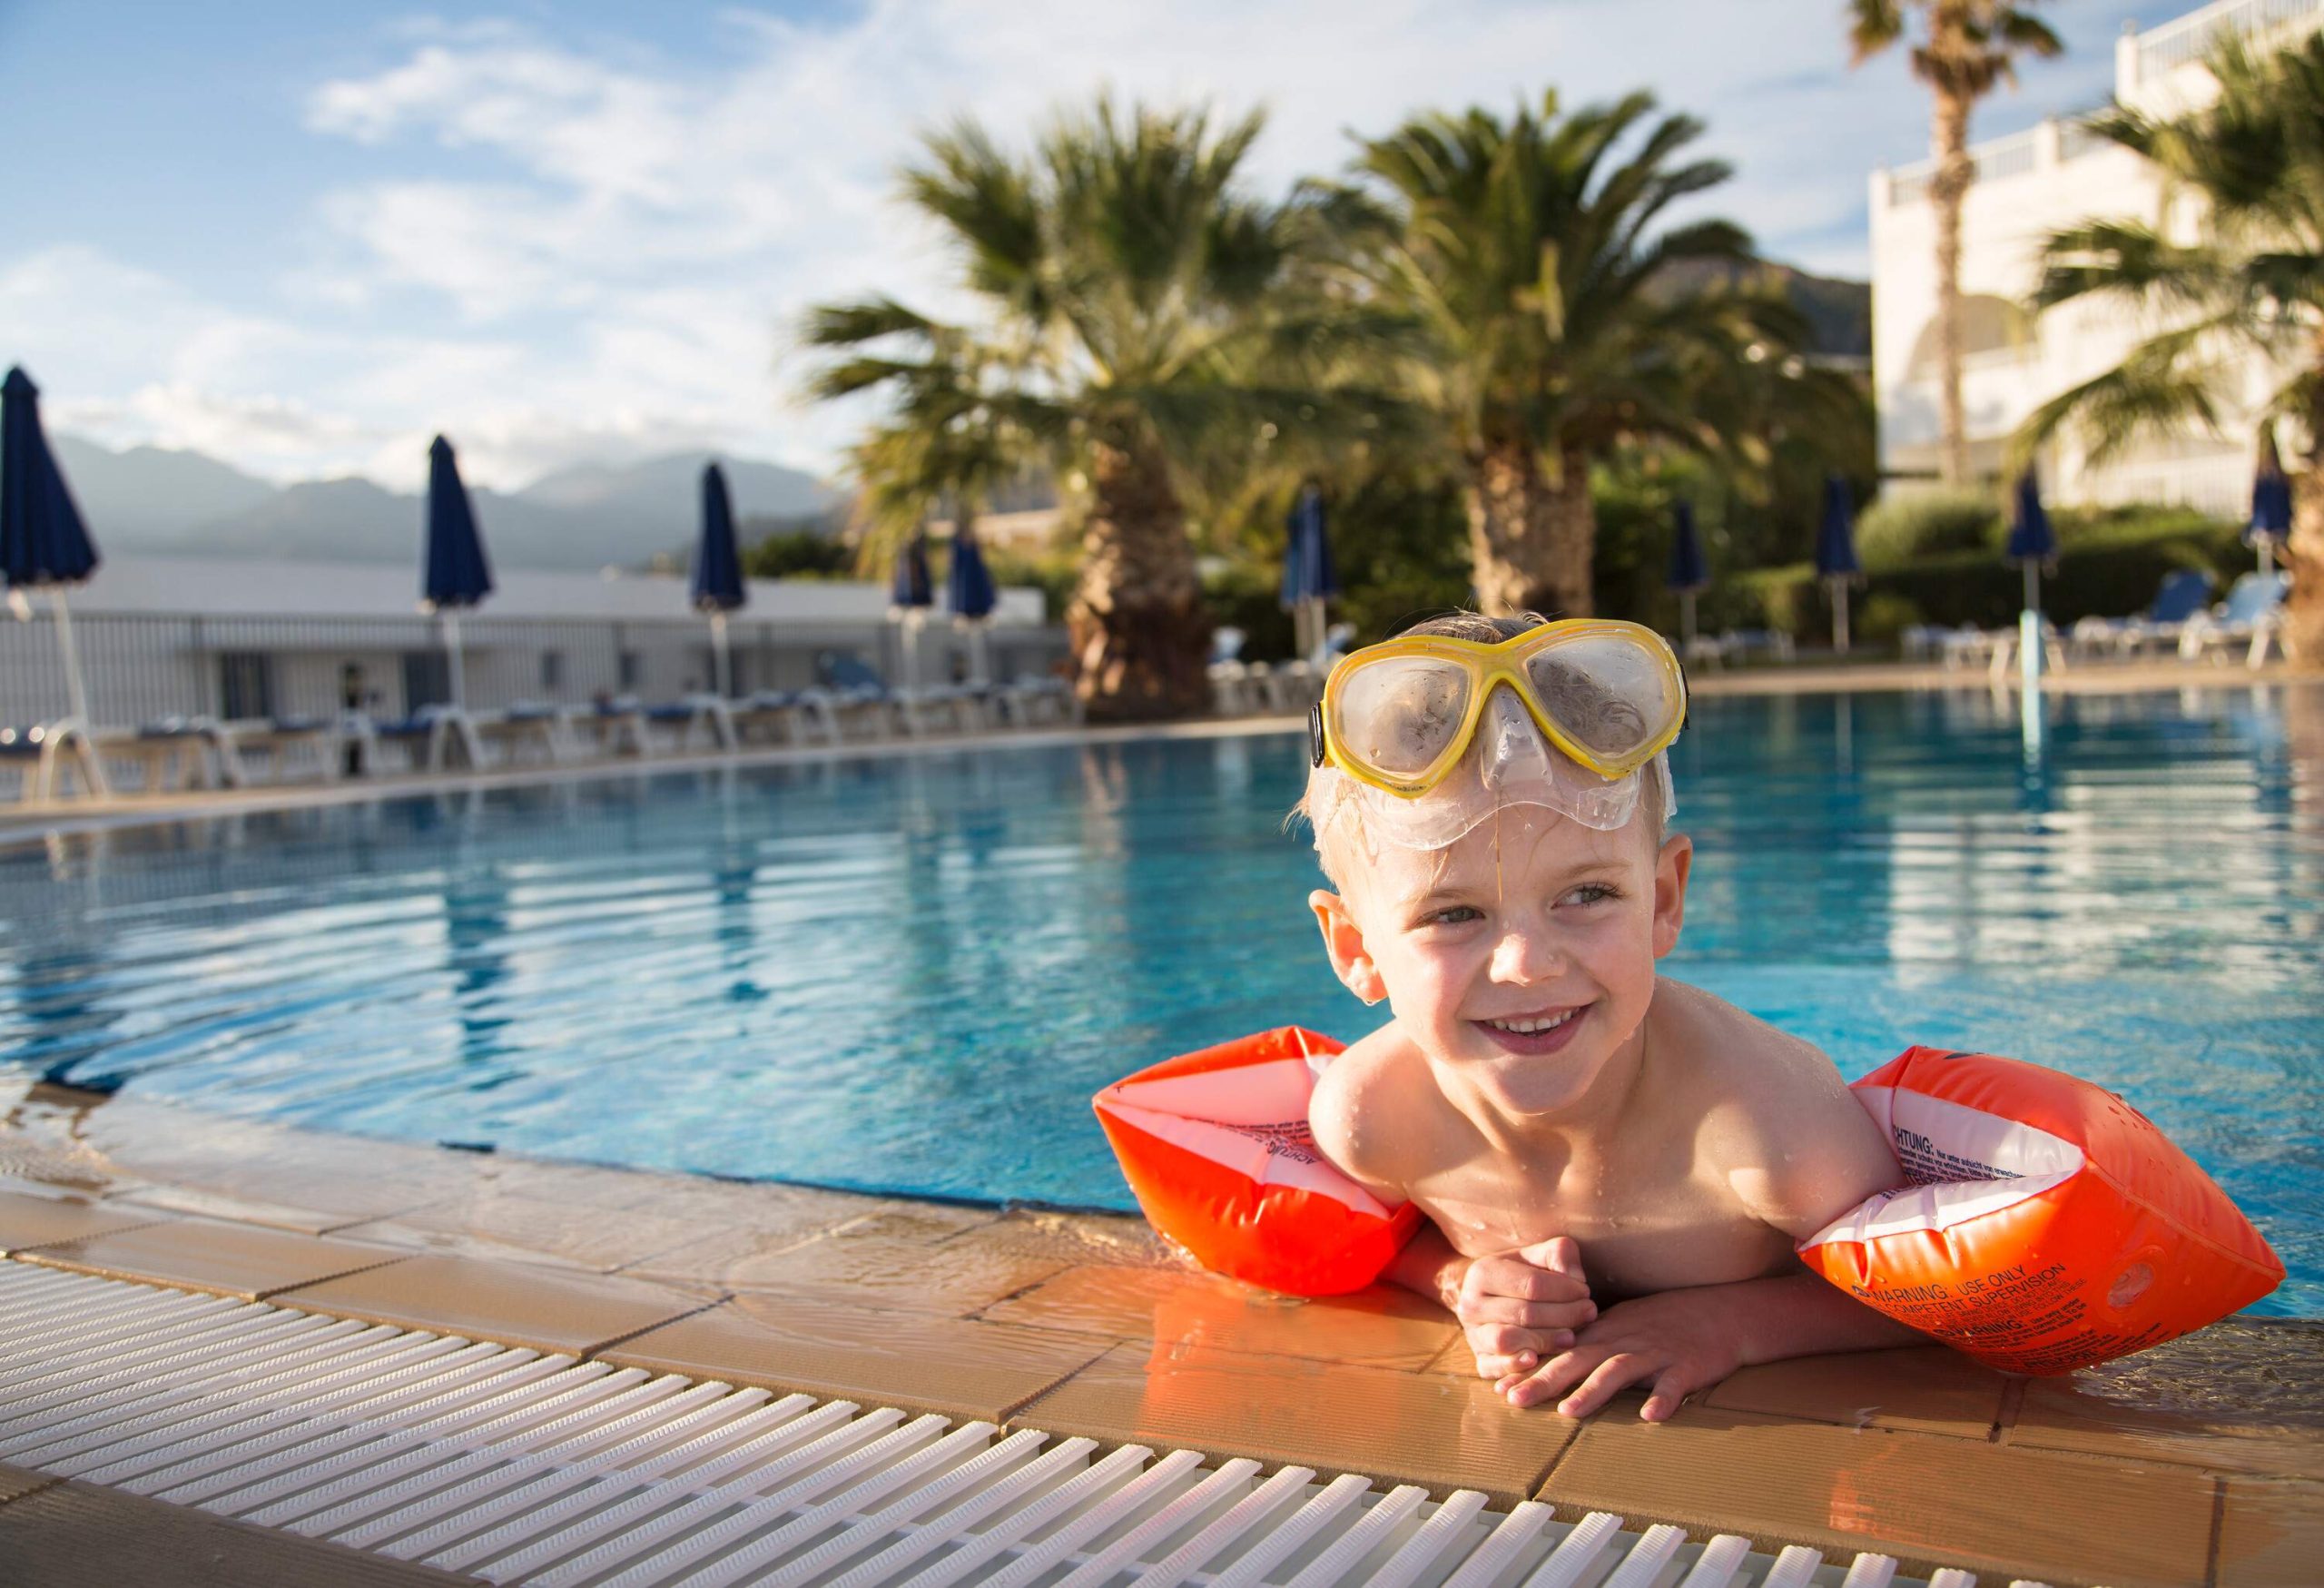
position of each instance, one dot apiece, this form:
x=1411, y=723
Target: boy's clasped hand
x=1534, y=1330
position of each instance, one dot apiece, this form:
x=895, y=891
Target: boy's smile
x=1521, y=956
x=1542, y=1031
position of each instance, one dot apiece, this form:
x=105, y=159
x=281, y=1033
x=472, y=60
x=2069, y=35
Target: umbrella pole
x=2029, y=629
x=1687, y=617
x=980, y=662
x=75, y=693
x=722, y=666
x=2267, y=555
x=1840, y=616
x=453, y=661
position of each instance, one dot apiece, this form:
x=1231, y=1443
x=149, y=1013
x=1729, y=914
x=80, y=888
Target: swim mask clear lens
x=1510, y=768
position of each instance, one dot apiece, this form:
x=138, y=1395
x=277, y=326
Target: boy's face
x=1523, y=954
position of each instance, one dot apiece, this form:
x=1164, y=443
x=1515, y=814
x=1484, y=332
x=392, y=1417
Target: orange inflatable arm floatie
x=2045, y=1224
x=1217, y=1147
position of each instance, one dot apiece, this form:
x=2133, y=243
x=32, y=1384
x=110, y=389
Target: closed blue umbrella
x=1690, y=570
x=717, y=586
x=43, y=545
x=1836, y=561
x=969, y=592
x=1309, y=580
x=910, y=592
x=2032, y=543
x=457, y=575
x=2270, y=523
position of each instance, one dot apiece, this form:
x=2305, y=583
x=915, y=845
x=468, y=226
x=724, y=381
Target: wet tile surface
x=951, y=1278
x=1114, y=1240
x=1930, y=1389
x=2243, y=1396
x=240, y=1209
x=39, y=1221
x=950, y=1365
x=1336, y=1417
x=203, y=1253
x=2271, y=1534
x=522, y=1306
x=1927, y=1500
x=1381, y=1327
x=582, y=1237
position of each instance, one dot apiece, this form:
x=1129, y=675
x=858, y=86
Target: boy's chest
x=1640, y=1232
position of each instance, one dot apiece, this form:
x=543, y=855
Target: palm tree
x=2246, y=289
x=1966, y=47
x=1554, y=321
x=1139, y=324
x=943, y=446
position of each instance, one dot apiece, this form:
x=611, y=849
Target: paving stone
x=1381, y=1327
x=496, y=1301
x=1334, y=1416
x=29, y=1222
x=1929, y=1389
x=957, y=1366
x=1928, y=1500
x=201, y=1254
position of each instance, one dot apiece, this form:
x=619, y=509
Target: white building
x=2027, y=186
x=162, y=636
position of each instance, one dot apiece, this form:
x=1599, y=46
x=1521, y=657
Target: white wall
x=2029, y=186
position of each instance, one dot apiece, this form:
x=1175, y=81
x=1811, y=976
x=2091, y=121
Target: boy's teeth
x=1526, y=1027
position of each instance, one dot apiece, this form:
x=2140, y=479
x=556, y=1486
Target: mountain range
x=157, y=501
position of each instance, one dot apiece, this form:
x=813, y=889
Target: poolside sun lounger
x=430, y=736
x=2251, y=616
x=615, y=726
x=280, y=742
x=175, y=753
x=789, y=713
x=46, y=751
x=522, y=727
x=707, y=715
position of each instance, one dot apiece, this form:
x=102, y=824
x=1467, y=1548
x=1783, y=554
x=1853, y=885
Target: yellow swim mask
x=1606, y=697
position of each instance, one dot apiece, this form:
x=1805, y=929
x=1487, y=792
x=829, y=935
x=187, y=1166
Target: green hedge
x=2111, y=565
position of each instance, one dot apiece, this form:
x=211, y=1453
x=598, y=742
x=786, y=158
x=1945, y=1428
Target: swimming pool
x=909, y=974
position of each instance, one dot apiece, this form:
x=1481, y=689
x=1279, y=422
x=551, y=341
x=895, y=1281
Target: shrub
x=2111, y=564
x=1884, y=617
x=1899, y=528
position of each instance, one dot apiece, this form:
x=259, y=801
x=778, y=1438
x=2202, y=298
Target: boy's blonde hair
x=1327, y=796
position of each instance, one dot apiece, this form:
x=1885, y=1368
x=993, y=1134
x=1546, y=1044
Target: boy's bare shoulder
x=1380, y=1078
x=1776, y=1117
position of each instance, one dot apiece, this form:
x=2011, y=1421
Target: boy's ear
x=1344, y=942
x=1676, y=858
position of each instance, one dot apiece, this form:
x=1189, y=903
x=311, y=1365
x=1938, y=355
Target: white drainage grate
x=519, y=1468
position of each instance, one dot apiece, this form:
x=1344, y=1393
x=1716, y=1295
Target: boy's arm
x=1429, y=1265
x=1681, y=1341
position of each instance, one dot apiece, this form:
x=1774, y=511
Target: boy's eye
x=1593, y=894
x=1453, y=915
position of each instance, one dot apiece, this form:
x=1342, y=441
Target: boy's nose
x=1525, y=957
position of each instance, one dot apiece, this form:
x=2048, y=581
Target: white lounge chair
x=44, y=753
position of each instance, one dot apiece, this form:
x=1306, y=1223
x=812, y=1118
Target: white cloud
x=554, y=252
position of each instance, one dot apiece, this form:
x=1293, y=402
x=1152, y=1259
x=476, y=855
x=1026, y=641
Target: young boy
x=1614, y=1166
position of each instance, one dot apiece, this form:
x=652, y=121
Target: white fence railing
x=2191, y=37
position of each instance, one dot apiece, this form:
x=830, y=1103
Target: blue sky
x=303, y=238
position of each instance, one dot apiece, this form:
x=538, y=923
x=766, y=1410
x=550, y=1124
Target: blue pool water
x=911, y=973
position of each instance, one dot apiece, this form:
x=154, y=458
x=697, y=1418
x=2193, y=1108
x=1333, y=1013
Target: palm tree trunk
x=1136, y=625
x=1530, y=539
x=1954, y=173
